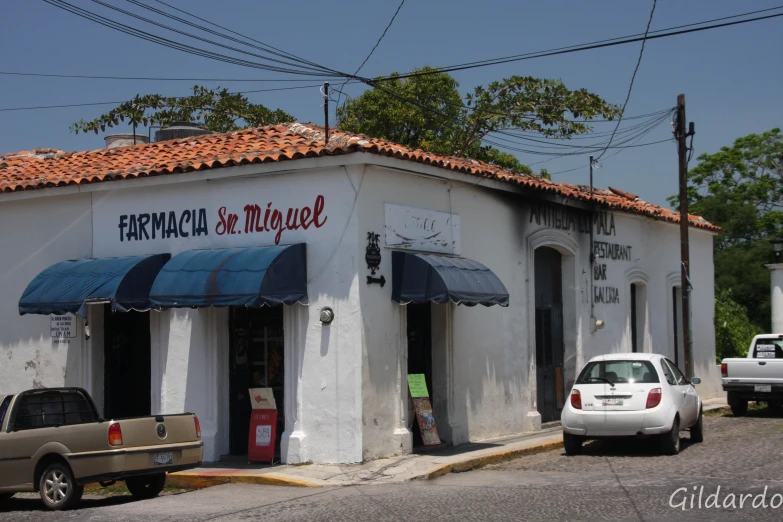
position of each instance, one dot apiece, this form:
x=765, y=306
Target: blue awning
x=422, y=278
x=252, y=277
x=68, y=286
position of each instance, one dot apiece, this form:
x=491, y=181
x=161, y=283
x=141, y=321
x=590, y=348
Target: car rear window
x=768, y=349
x=618, y=372
x=47, y=409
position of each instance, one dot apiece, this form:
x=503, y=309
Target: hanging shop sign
x=417, y=385
x=372, y=254
x=422, y=230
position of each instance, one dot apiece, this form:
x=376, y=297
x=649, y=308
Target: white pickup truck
x=757, y=377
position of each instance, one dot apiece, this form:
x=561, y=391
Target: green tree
x=733, y=328
x=740, y=188
x=428, y=112
x=217, y=109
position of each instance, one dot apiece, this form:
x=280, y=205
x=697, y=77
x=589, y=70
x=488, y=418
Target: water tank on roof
x=180, y=129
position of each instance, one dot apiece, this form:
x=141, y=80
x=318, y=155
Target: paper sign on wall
x=262, y=399
x=417, y=384
x=62, y=326
x=263, y=435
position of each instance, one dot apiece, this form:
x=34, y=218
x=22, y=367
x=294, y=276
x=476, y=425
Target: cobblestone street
x=619, y=481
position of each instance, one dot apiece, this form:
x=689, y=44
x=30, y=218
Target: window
x=678, y=376
x=4, y=408
x=48, y=409
x=618, y=372
x=667, y=373
x=768, y=349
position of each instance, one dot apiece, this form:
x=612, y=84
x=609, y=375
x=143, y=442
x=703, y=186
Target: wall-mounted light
x=327, y=315
x=777, y=245
x=597, y=324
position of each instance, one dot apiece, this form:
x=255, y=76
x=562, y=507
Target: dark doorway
x=634, y=333
x=549, y=333
x=127, y=364
x=256, y=351
x=420, y=351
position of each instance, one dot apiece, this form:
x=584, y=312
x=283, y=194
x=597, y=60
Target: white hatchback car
x=628, y=394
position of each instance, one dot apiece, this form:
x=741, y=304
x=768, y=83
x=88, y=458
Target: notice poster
x=417, y=385
x=262, y=399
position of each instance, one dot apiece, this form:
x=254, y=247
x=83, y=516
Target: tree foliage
x=428, y=112
x=733, y=329
x=740, y=188
x=217, y=109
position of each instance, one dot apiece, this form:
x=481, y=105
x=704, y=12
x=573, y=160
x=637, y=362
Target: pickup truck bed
x=758, y=377
x=53, y=441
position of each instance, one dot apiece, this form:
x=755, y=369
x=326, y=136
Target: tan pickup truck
x=53, y=441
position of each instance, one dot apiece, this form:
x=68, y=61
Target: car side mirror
x=695, y=381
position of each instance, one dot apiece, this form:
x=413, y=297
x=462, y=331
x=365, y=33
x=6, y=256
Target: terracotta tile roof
x=44, y=168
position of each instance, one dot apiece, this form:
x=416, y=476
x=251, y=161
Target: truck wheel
x=670, y=442
x=146, y=486
x=58, y=488
x=572, y=444
x=5, y=496
x=697, y=430
x=739, y=407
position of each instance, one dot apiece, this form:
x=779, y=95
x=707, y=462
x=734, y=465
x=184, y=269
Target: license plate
x=163, y=459
x=613, y=402
x=763, y=388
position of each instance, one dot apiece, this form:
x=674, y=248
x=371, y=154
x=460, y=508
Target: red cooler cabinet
x=262, y=436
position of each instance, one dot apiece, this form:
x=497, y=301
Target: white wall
x=487, y=380
x=190, y=347
x=36, y=234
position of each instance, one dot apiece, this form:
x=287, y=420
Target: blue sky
x=732, y=77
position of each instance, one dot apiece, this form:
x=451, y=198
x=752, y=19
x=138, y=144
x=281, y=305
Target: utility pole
x=682, y=157
x=325, y=92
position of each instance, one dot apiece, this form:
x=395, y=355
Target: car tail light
x=653, y=398
x=724, y=370
x=115, y=435
x=576, y=400
x=198, y=427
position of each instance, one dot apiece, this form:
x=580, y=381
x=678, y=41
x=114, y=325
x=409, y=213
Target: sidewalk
x=383, y=471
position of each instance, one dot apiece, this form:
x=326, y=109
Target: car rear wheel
x=5, y=496
x=146, y=486
x=775, y=405
x=697, y=430
x=670, y=442
x=739, y=407
x=572, y=443
x=58, y=488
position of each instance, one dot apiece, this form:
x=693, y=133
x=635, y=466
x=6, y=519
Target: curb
x=485, y=460
x=197, y=481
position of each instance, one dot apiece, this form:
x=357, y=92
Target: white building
x=341, y=386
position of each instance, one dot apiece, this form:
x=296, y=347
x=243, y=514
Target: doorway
x=256, y=349
x=127, y=364
x=419, y=354
x=549, y=333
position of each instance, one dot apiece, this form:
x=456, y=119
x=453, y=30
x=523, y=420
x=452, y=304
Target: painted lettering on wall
x=606, y=294
x=611, y=251
x=572, y=220
x=194, y=223
x=163, y=225
x=270, y=219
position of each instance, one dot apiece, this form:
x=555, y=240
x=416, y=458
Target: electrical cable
x=153, y=78
x=8, y=109
x=633, y=77
x=377, y=43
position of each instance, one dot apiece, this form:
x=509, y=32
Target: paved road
x=621, y=481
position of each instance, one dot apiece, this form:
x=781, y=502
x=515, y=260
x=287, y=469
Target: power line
x=377, y=43
x=8, y=109
x=583, y=47
x=152, y=78
x=633, y=77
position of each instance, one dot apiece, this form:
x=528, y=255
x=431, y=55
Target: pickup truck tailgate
x=769, y=371
x=159, y=430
